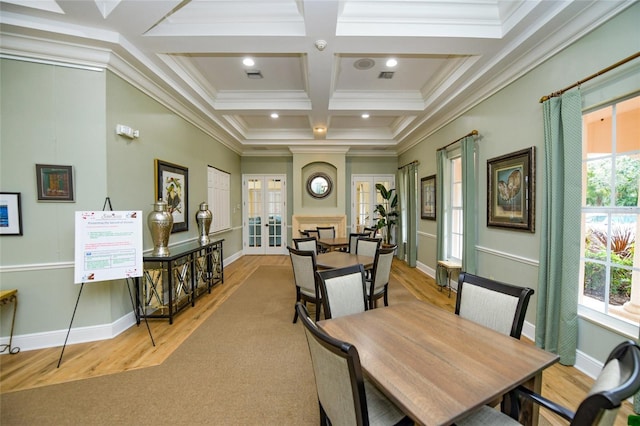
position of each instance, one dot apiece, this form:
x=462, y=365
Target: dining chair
x=618, y=380
x=307, y=243
x=367, y=246
x=491, y=303
x=378, y=285
x=304, y=274
x=326, y=232
x=342, y=291
x=353, y=240
x=345, y=396
x=371, y=232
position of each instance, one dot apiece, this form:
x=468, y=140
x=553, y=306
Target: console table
x=171, y=283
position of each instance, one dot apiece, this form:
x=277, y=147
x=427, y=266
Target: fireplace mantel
x=301, y=222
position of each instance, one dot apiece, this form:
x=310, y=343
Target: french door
x=264, y=214
x=364, y=198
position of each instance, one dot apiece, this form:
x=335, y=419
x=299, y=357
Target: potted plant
x=387, y=214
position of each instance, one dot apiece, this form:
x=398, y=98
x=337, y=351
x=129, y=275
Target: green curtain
x=441, y=157
x=469, y=205
x=558, y=274
x=408, y=220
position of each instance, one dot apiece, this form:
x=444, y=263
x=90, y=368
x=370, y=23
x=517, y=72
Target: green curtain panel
x=557, y=313
x=469, y=204
x=408, y=220
x=441, y=157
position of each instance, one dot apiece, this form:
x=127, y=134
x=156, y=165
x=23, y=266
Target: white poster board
x=108, y=245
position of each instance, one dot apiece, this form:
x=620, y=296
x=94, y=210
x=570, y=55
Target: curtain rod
x=471, y=133
x=416, y=162
x=592, y=76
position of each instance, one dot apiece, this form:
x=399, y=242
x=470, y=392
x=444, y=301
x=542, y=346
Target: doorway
x=364, y=197
x=264, y=214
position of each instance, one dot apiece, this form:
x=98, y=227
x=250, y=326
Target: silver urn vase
x=203, y=219
x=160, y=222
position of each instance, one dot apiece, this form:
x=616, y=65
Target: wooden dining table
x=436, y=366
x=332, y=244
x=339, y=259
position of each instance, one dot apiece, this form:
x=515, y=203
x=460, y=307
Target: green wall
x=512, y=120
x=59, y=115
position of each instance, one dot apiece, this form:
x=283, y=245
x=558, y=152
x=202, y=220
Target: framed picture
x=172, y=186
x=428, y=197
x=55, y=183
x=511, y=190
x=10, y=213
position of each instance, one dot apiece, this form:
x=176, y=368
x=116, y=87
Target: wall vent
x=256, y=74
x=386, y=74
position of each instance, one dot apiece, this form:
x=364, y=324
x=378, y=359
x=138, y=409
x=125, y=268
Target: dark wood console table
x=171, y=283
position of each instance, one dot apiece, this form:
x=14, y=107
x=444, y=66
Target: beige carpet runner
x=247, y=364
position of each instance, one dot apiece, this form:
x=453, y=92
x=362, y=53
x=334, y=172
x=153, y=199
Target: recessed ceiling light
x=365, y=115
x=248, y=62
x=392, y=62
x=274, y=115
x=319, y=129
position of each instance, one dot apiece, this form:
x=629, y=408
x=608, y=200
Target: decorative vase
x=160, y=222
x=203, y=219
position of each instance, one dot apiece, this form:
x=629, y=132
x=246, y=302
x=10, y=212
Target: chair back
x=618, y=380
x=307, y=243
x=367, y=246
x=312, y=233
x=304, y=269
x=371, y=232
x=493, y=304
x=338, y=374
x=326, y=232
x=343, y=291
x=353, y=240
x=381, y=269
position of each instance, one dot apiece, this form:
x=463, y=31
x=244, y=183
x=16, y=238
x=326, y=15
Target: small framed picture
x=511, y=190
x=428, y=197
x=55, y=183
x=172, y=186
x=10, y=213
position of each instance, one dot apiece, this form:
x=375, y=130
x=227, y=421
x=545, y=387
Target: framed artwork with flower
x=172, y=186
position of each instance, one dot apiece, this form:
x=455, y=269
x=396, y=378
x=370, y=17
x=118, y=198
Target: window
x=610, y=266
x=452, y=205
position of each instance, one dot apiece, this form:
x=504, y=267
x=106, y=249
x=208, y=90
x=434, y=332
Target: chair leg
x=317, y=312
x=295, y=315
x=386, y=297
x=324, y=420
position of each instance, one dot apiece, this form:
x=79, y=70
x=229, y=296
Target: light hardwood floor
x=133, y=349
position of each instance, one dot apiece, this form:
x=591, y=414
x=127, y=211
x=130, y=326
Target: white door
x=364, y=198
x=265, y=214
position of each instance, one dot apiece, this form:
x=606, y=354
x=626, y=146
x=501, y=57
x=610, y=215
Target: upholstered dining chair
x=491, y=303
x=371, y=232
x=307, y=243
x=345, y=396
x=342, y=291
x=378, y=284
x=304, y=274
x=618, y=380
x=353, y=240
x=326, y=232
x=367, y=246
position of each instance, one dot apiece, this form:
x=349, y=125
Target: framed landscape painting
x=428, y=197
x=511, y=190
x=172, y=186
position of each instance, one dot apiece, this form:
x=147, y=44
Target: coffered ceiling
x=319, y=64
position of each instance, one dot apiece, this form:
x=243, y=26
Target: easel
x=106, y=201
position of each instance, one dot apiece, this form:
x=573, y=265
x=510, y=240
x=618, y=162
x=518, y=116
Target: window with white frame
x=610, y=265
x=453, y=209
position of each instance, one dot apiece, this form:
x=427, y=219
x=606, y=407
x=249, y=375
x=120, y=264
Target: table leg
x=12, y=349
x=529, y=411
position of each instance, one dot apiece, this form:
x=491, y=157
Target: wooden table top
x=334, y=243
x=435, y=365
x=338, y=259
